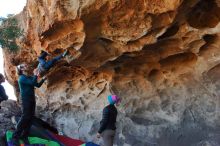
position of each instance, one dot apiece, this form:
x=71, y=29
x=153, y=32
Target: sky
x=9, y=7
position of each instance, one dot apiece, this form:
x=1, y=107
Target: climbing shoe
x=65, y=53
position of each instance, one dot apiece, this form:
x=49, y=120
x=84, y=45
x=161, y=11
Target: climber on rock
x=107, y=124
x=44, y=64
x=26, y=83
x=3, y=95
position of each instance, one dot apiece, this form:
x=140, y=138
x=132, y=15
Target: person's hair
x=19, y=69
x=41, y=52
x=1, y=77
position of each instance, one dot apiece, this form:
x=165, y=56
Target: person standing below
x=26, y=84
x=3, y=95
x=107, y=124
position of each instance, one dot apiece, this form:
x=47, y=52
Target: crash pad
x=67, y=141
x=40, y=129
x=32, y=140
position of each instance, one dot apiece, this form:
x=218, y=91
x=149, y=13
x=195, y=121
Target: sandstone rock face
x=160, y=56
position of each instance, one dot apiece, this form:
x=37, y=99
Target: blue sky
x=9, y=7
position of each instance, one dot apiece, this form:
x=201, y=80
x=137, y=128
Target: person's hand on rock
x=36, y=72
x=44, y=77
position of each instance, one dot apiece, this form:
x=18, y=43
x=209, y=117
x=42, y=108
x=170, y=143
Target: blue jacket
x=3, y=95
x=27, y=84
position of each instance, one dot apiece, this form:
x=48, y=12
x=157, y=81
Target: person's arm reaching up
x=40, y=83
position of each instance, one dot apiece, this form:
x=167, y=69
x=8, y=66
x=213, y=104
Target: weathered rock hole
x=105, y=40
x=170, y=32
x=205, y=14
x=208, y=38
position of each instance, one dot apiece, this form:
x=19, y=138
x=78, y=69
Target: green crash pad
x=33, y=140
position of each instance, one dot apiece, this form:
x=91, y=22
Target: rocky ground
x=8, y=109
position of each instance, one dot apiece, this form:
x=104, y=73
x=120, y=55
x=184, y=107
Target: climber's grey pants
x=108, y=137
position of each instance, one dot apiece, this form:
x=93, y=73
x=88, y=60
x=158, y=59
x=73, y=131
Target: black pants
x=25, y=122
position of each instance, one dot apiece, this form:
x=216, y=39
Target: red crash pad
x=67, y=141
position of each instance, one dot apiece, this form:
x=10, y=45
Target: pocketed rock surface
x=162, y=57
